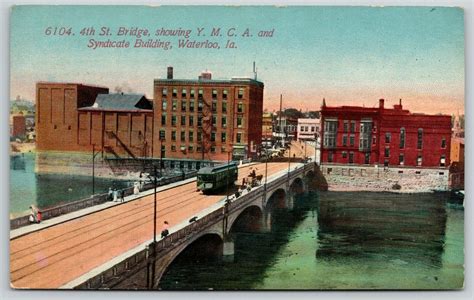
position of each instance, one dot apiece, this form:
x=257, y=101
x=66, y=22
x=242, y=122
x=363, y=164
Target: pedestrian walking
x=115, y=193
x=164, y=229
x=33, y=218
x=110, y=195
x=136, y=190
x=122, y=195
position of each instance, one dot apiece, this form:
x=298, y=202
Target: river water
x=46, y=190
x=335, y=240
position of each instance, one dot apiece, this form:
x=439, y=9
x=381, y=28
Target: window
x=302, y=128
x=419, y=144
x=401, y=159
x=191, y=136
x=191, y=93
x=387, y=152
x=183, y=93
x=214, y=106
x=330, y=156
x=224, y=121
x=351, y=157
x=200, y=93
x=330, y=132
x=200, y=105
x=443, y=143
x=388, y=137
x=173, y=148
x=162, y=135
x=173, y=135
x=199, y=137
x=346, y=126
x=223, y=137
x=239, y=121
x=175, y=104
x=198, y=149
x=365, y=135
x=199, y=121
x=344, y=140
x=402, y=138
x=164, y=92
x=183, y=105
x=191, y=106
x=239, y=137
x=214, y=120
x=183, y=136
x=224, y=107
x=419, y=160
x=353, y=126
x=367, y=158
x=240, y=107
x=190, y=149
x=351, y=140
x=312, y=128
x=241, y=93
x=173, y=120
x=214, y=94
x=164, y=104
x=213, y=136
x=344, y=154
x=183, y=120
x=163, y=119
x=213, y=149
x=191, y=121
x=442, y=160
x=175, y=92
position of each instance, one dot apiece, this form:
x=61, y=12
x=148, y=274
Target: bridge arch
x=297, y=186
x=209, y=244
x=276, y=200
x=249, y=220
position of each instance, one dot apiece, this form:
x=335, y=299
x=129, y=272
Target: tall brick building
x=193, y=119
x=384, y=136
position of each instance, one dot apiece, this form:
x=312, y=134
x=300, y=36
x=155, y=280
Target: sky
x=347, y=55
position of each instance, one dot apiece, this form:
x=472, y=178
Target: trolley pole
x=154, y=212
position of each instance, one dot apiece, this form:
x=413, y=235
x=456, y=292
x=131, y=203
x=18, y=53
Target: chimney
x=381, y=102
x=205, y=75
x=170, y=73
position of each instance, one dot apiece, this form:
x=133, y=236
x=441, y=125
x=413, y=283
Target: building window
x=163, y=119
x=191, y=121
x=162, y=135
x=183, y=93
x=224, y=122
x=213, y=136
x=224, y=107
x=367, y=158
x=183, y=105
x=401, y=159
x=191, y=136
x=173, y=120
x=175, y=104
x=419, y=160
x=240, y=107
x=402, y=138
x=183, y=136
x=344, y=154
x=224, y=94
x=387, y=152
x=164, y=104
x=191, y=106
x=344, y=140
x=164, y=92
x=239, y=137
x=198, y=149
x=214, y=120
x=419, y=143
x=239, y=122
x=442, y=160
x=214, y=106
x=173, y=148
x=365, y=135
x=346, y=126
x=223, y=137
x=199, y=121
x=352, y=140
x=213, y=149
x=241, y=93
x=353, y=126
x=190, y=149
x=173, y=135
x=191, y=93
x=351, y=157
x=183, y=120
x=199, y=137
x=330, y=156
x=330, y=132
x=312, y=128
x=175, y=93
x=214, y=94
x=200, y=93
x=200, y=105
x=388, y=137
x=443, y=143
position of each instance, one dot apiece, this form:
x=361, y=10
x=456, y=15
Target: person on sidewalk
x=122, y=195
x=33, y=214
x=164, y=229
x=115, y=193
x=110, y=195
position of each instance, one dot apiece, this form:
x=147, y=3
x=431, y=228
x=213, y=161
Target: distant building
x=284, y=129
x=18, y=126
x=267, y=130
x=308, y=129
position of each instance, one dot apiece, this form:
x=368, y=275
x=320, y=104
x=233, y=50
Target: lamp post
x=289, y=162
x=93, y=168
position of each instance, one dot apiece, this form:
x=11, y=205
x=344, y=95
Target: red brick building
x=384, y=136
x=18, y=126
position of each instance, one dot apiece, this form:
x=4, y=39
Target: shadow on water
x=387, y=226
x=254, y=253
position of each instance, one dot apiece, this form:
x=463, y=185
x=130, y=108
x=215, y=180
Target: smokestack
x=381, y=103
x=170, y=73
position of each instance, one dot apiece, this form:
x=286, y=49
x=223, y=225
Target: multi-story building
x=308, y=129
x=17, y=126
x=267, y=130
x=384, y=136
x=284, y=129
x=207, y=119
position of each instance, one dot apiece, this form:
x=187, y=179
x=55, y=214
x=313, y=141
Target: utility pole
x=279, y=121
x=93, y=168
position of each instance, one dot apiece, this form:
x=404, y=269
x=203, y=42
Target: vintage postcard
x=236, y=148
